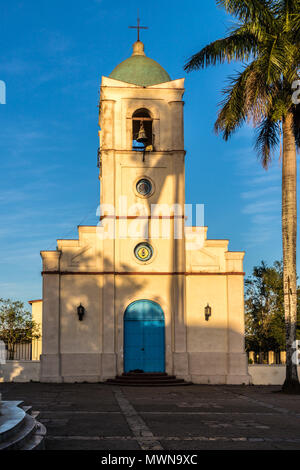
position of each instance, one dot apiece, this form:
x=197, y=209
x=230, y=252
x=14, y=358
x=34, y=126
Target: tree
x=264, y=309
x=266, y=39
x=16, y=325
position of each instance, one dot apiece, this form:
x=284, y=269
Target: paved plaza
x=196, y=417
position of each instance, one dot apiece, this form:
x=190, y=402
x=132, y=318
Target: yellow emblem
x=143, y=252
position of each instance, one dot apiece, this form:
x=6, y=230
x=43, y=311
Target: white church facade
x=141, y=291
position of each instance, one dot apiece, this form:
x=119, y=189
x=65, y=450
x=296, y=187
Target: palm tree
x=266, y=39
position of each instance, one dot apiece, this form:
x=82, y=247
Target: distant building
x=37, y=311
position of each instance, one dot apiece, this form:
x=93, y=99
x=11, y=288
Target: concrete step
x=143, y=379
x=148, y=374
x=27, y=409
x=147, y=384
x=37, y=440
x=19, y=429
x=18, y=439
x=11, y=419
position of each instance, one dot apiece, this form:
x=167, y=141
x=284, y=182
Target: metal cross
x=138, y=27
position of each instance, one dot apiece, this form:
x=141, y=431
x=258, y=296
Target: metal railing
x=266, y=357
x=26, y=351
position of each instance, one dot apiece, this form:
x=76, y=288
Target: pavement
x=196, y=417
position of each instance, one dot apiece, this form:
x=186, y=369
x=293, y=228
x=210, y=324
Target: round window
x=144, y=187
x=143, y=251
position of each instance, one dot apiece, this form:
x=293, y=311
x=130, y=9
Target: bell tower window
x=142, y=137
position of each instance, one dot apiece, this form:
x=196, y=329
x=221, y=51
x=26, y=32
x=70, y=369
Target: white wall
x=26, y=371
x=264, y=374
x=20, y=371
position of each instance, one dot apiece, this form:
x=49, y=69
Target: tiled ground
x=98, y=416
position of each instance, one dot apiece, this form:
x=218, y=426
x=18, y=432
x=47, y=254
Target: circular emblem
x=143, y=251
x=144, y=187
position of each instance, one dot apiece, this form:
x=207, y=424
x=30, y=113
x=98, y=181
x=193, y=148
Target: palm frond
x=267, y=33
x=288, y=13
x=260, y=95
x=277, y=57
x=233, y=107
x=267, y=140
x=249, y=10
x=254, y=28
x=246, y=97
x=295, y=19
x=234, y=47
x=285, y=8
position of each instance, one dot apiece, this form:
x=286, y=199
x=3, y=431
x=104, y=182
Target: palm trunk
x=289, y=235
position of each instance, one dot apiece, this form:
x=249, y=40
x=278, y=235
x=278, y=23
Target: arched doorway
x=144, y=337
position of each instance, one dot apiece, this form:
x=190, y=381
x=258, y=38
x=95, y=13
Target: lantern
x=207, y=312
x=80, y=312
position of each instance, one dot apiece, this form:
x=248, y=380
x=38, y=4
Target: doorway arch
x=144, y=337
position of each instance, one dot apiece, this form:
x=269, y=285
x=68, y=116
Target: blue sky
x=53, y=54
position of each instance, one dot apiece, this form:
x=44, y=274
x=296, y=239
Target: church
x=141, y=291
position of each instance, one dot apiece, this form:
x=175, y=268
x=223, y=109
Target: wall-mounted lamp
x=207, y=312
x=80, y=312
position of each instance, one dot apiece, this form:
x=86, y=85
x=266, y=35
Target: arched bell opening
x=142, y=134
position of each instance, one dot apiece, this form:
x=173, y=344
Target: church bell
x=142, y=137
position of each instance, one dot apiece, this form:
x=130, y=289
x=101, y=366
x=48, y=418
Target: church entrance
x=144, y=337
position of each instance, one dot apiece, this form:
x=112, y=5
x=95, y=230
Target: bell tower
x=141, y=162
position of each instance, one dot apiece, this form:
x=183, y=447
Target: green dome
x=139, y=69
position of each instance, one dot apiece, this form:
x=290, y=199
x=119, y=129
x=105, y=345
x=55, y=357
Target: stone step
x=147, y=384
x=145, y=381
x=27, y=409
x=35, y=443
x=145, y=377
x=21, y=435
x=148, y=374
x=37, y=440
x=11, y=419
x=19, y=429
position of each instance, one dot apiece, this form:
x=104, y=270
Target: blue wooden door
x=144, y=337
x=154, y=345
x=134, y=345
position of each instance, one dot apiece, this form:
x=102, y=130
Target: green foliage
x=266, y=38
x=264, y=309
x=16, y=324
